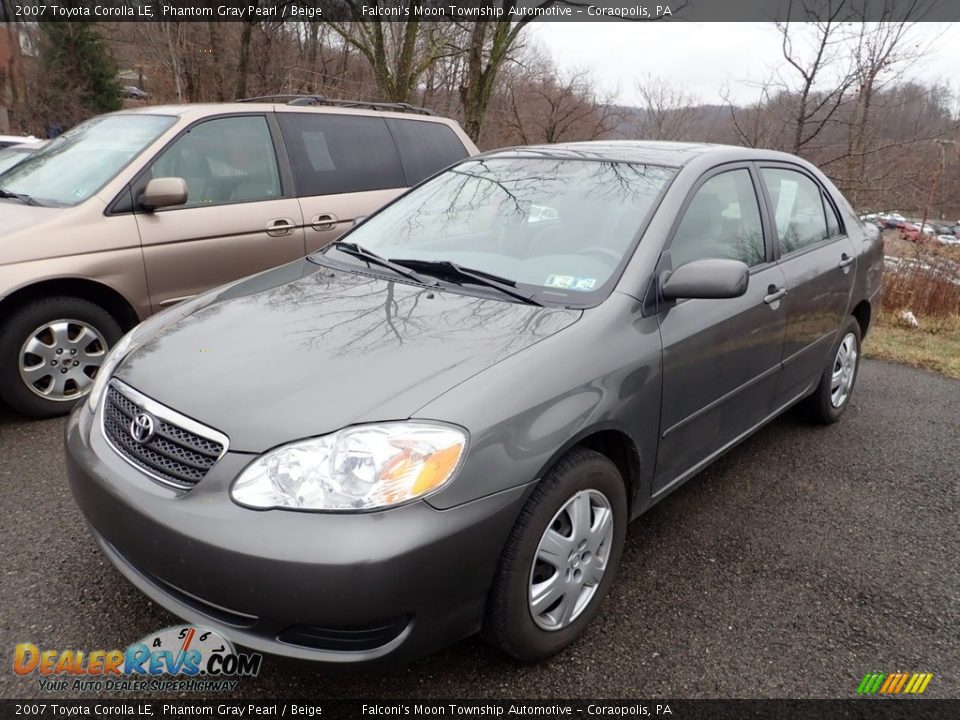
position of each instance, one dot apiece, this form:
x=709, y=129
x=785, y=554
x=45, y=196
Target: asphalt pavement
x=797, y=563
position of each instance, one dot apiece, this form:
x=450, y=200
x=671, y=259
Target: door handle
x=773, y=294
x=845, y=261
x=324, y=221
x=280, y=227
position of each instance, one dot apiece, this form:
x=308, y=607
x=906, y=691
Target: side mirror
x=707, y=279
x=164, y=192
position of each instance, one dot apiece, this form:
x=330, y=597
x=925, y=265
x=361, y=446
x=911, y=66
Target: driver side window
x=226, y=160
x=721, y=221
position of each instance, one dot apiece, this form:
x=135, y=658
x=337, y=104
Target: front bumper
x=339, y=588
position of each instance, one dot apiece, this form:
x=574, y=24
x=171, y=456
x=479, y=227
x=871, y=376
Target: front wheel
x=560, y=559
x=50, y=351
x=832, y=395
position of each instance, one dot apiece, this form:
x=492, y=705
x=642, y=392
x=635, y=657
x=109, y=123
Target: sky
x=706, y=58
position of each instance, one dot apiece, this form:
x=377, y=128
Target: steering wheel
x=603, y=252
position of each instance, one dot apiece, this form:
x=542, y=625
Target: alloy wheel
x=570, y=561
x=59, y=360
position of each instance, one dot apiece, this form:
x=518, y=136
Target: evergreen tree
x=78, y=74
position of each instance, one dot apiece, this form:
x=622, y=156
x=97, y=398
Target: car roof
x=648, y=152
x=193, y=111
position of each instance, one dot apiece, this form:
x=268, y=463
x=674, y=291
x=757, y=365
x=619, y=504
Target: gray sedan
x=442, y=423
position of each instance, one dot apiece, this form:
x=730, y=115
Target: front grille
x=174, y=454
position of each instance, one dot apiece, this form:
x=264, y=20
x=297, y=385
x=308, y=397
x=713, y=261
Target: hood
x=14, y=215
x=305, y=350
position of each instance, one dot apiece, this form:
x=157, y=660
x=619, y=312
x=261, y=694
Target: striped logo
x=894, y=683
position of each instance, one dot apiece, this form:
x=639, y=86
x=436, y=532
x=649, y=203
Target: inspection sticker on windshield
x=571, y=282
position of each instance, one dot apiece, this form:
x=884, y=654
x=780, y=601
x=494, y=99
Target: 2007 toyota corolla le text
x=442, y=423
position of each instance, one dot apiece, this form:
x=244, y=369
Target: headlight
x=117, y=353
x=358, y=468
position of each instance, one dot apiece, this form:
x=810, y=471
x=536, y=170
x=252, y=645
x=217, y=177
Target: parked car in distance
x=134, y=93
x=443, y=422
x=15, y=154
x=946, y=239
x=912, y=233
x=8, y=140
x=139, y=210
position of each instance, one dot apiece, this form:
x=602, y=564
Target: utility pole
x=943, y=171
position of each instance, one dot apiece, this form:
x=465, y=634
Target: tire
x=78, y=329
x=510, y=623
x=822, y=405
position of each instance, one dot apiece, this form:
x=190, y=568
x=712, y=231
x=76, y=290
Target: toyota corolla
x=442, y=423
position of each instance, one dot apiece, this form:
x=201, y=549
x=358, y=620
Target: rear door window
x=332, y=153
x=425, y=147
x=797, y=209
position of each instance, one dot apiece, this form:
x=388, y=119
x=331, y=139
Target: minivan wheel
x=832, y=395
x=560, y=558
x=50, y=351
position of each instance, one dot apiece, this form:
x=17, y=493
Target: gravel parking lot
x=802, y=560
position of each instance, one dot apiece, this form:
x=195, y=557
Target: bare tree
x=809, y=110
x=542, y=107
x=399, y=53
x=668, y=112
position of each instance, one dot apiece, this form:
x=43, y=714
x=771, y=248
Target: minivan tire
x=14, y=391
x=819, y=406
x=509, y=621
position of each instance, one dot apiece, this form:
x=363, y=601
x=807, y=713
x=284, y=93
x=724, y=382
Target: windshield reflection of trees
x=475, y=196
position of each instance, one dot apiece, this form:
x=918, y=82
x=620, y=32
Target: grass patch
x=934, y=345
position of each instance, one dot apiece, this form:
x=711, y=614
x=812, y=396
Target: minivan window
x=559, y=227
x=82, y=160
x=425, y=147
x=224, y=160
x=797, y=208
x=722, y=221
x=332, y=154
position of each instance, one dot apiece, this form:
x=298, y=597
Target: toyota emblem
x=142, y=427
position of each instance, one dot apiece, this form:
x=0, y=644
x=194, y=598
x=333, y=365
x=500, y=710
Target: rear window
x=425, y=147
x=332, y=154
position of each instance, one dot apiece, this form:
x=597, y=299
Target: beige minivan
x=135, y=211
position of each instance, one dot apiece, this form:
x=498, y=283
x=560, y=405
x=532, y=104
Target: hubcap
x=570, y=560
x=844, y=370
x=60, y=359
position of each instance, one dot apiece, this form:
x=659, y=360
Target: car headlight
x=359, y=468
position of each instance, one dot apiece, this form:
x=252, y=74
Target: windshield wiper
x=22, y=197
x=460, y=275
x=357, y=251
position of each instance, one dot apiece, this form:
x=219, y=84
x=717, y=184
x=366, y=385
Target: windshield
x=81, y=161
x=557, y=228
x=11, y=156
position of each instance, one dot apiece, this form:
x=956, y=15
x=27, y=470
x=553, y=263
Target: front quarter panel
x=601, y=373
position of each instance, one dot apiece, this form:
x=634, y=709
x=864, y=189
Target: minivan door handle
x=845, y=261
x=279, y=227
x=324, y=221
x=773, y=294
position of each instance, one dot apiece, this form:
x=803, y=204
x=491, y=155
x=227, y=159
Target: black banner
x=867, y=709
x=474, y=10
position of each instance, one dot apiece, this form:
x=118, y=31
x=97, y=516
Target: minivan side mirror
x=164, y=192
x=707, y=279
